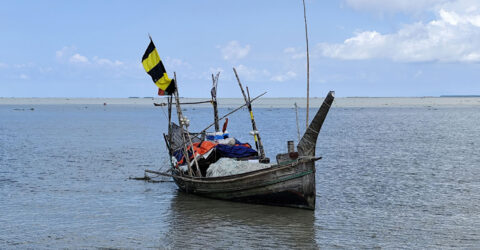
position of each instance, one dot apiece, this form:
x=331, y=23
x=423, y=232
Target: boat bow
x=306, y=146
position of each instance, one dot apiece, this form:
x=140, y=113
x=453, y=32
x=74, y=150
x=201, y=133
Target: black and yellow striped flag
x=153, y=65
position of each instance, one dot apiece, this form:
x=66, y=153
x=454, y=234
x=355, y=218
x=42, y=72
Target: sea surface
x=389, y=178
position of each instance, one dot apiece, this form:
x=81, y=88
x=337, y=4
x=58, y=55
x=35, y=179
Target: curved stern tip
x=306, y=146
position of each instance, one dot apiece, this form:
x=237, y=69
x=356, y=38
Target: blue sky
x=357, y=47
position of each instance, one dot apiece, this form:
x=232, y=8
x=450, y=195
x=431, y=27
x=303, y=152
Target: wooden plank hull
x=287, y=184
x=291, y=185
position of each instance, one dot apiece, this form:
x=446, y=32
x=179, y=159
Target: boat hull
x=291, y=185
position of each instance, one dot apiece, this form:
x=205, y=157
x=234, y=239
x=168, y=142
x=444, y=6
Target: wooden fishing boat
x=290, y=182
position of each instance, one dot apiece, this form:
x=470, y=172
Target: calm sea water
x=389, y=178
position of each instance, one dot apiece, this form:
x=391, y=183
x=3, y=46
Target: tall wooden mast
x=308, y=61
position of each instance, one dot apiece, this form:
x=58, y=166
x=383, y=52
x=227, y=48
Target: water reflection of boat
x=201, y=222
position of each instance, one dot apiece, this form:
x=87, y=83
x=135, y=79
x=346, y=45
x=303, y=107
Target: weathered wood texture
x=287, y=184
x=290, y=185
x=256, y=135
x=306, y=146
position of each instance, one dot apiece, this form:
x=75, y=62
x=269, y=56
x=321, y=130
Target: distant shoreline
x=451, y=101
x=460, y=96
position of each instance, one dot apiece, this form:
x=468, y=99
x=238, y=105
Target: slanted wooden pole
x=308, y=61
x=213, y=92
x=296, y=116
x=256, y=135
x=179, y=114
x=254, y=126
x=169, y=99
x=183, y=130
x=229, y=113
x=233, y=111
x=199, y=173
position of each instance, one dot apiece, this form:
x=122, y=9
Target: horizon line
x=281, y=97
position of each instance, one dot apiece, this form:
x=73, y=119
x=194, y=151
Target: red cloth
x=204, y=147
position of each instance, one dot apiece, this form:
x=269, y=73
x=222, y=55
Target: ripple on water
x=389, y=178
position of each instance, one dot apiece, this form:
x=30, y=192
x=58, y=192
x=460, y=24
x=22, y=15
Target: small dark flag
x=153, y=65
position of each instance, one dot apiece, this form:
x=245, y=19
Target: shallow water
x=389, y=177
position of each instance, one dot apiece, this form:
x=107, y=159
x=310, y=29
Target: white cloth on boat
x=229, y=166
x=227, y=141
x=183, y=168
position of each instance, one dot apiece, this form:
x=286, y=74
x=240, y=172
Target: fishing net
x=228, y=166
x=176, y=140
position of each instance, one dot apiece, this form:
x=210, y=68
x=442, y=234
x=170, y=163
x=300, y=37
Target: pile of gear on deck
x=216, y=154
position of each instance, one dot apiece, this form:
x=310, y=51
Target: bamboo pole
x=229, y=113
x=308, y=61
x=235, y=110
x=298, y=127
x=213, y=92
x=199, y=173
x=169, y=116
x=256, y=135
x=260, y=144
x=183, y=130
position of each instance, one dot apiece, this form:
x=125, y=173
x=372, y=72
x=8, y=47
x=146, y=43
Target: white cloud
x=69, y=54
x=77, y=58
x=454, y=36
x=214, y=71
x=284, y=77
x=3, y=65
x=393, y=5
x=207, y=75
x=365, y=45
x=295, y=53
x=234, y=51
x=65, y=53
x=251, y=74
x=106, y=62
x=175, y=63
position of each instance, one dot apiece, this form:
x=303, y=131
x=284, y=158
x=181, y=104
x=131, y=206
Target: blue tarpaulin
x=239, y=150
